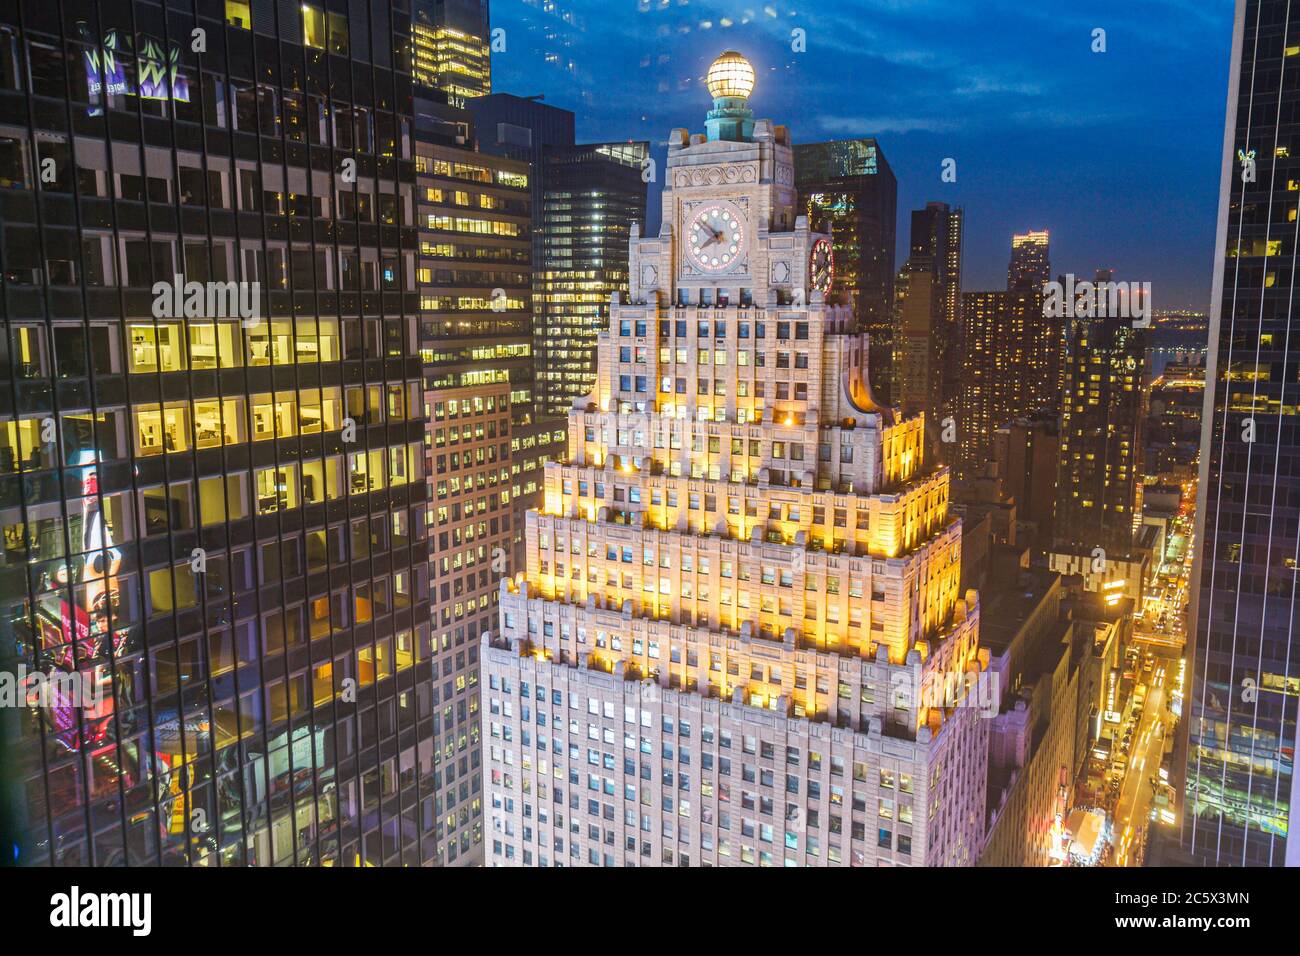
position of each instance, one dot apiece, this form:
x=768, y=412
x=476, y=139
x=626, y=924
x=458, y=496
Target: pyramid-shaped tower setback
x=739, y=636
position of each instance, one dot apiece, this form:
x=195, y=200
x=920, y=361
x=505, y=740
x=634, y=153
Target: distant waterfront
x=1176, y=337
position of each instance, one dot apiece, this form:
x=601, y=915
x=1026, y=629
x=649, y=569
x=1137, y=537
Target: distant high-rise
x=593, y=194
x=927, y=353
x=919, y=344
x=1030, y=263
x=1241, y=784
x=585, y=198
x=1103, y=414
x=955, y=224
x=1010, y=366
x=847, y=188
x=451, y=47
x=474, y=273
x=936, y=241
x=1026, y=450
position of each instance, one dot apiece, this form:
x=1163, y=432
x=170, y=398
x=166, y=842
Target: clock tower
x=731, y=233
x=740, y=537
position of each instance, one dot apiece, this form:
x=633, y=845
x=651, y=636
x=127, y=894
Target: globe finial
x=730, y=81
x=730, y=76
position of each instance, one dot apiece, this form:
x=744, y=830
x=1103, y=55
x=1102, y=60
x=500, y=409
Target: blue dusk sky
x=1117, y=153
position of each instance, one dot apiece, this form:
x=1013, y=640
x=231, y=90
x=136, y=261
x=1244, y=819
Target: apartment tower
x=1010, y=360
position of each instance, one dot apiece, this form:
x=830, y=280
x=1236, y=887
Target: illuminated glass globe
x=731, y=75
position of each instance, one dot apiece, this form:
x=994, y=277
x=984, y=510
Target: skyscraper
x=526, y=129
x=1010, y=367
x=451, y=47
x=593, y=194
x=585, y=199
x=1103, y=415
x=846, y=188
x=1245, y=662
x=744, y=559
x=1030, y=264
x=936, y=241
x=927, y=362
x=1026, y=451
x=920, y=345
x=475, y=267
x=474, y=273
x=211, y=465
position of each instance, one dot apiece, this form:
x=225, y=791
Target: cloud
x=873, y=125
x=989, y=85
x=1012, y=82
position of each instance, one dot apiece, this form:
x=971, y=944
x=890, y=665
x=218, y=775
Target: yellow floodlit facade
x=741, y=543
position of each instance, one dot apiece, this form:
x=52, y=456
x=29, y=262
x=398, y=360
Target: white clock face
x=715, y=237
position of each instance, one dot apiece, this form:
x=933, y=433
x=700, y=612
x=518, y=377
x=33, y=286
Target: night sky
x=1117, y=153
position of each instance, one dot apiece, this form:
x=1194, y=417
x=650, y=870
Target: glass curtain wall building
x=1245, y=664
x=212, y=479
x=1030, y=264
x=593, y=195
x=847, y=187
x=451, y=47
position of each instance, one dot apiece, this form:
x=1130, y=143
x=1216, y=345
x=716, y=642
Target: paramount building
x=742, y=573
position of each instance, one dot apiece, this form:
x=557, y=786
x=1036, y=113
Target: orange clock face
x=821, y=266
x=715, y=237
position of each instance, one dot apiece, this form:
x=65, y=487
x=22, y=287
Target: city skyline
x=442, y=436
x=1009, y=91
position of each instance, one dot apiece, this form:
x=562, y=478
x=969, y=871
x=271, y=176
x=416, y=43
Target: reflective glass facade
x=450, y=48
x=593, y=195
x=214, y=503
x=1030, y=264
x=847, y=187
x=1244, y=663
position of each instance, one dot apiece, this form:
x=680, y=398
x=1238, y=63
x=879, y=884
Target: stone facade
x=741, y=605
